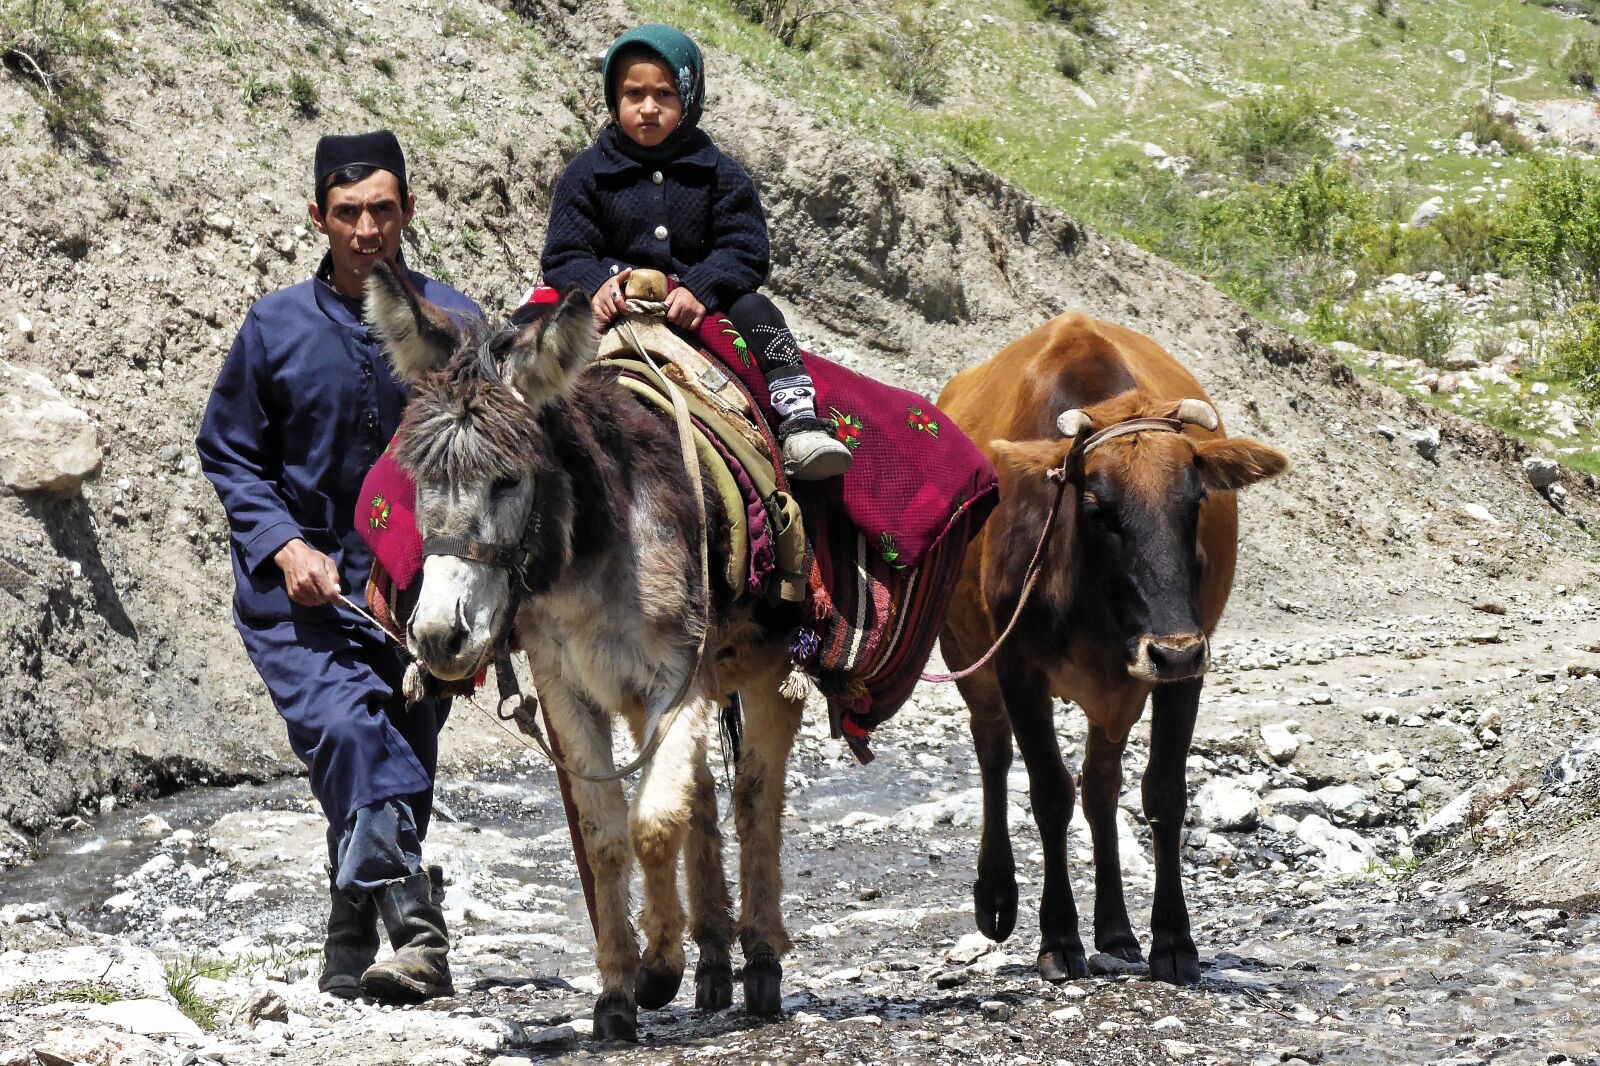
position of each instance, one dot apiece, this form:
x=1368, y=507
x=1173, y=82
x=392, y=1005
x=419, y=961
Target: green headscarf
x=682, y=57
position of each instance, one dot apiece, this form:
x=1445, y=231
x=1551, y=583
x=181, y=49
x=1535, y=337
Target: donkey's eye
x=503, y=486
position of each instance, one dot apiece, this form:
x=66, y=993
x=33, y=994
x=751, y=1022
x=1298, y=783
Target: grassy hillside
x=1278, y=148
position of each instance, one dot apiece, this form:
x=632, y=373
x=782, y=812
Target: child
x=653, y=191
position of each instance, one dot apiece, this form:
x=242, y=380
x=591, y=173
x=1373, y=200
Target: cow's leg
x=585, y=734
x=771, y=722
x=710, y=909
x=658, y=823
x=1173, y=957
x=1102, y=785
x=1027, y=696
x=994, y=894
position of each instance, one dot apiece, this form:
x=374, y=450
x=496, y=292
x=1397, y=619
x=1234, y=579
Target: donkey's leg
x=585, y=734
x=1102, y=785
x=1061, y=955
x=658, y=823
x=758, y=797
x=710, y=909
x=1173, y=957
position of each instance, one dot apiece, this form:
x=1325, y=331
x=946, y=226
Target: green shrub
x=1405, y=328
x=1485, y=126
x=303, y=94
x=60, y=50
x=914, y=63
x=1581, y=61
x=796, y=23
x=1071, y=59
x=1269, y=132
x=1554, y=224
x=1573, y=352
x=1319, y=210
x=1080, y=16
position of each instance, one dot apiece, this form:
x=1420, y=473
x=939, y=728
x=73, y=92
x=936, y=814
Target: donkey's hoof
x=994, y=905
x=713, y=986
x=655, y=986
x=763, y=980
x=1063, y=964
x=616, y=1018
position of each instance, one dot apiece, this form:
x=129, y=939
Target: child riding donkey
x=653, y=191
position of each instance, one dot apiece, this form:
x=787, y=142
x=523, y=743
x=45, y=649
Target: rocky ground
x=1392, y=856
x=188, y=930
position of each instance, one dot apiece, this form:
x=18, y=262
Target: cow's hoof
x=616, y=1018
x=763, y=992
x=1174, y=964
x=655, y=986
x=713, y=986
x=994, y=905
x=1063, y=964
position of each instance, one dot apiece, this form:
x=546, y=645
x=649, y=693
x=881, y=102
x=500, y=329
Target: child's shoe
x=811, y=452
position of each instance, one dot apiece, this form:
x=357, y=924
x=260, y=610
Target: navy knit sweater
x=694, y=214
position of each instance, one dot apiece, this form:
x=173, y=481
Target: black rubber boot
x=352, y=942
x=420, y=968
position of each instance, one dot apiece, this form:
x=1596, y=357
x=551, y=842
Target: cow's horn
x=1073, y=422
x=1197, y=413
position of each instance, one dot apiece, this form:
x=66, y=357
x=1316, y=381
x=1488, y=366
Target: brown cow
x=1134, y=579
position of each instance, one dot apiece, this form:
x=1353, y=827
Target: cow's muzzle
x=1171, y=658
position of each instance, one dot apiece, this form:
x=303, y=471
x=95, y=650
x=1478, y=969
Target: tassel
x=415, y=686
x=795, y=687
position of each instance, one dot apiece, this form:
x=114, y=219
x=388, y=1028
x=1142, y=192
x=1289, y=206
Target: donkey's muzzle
x=446, y=648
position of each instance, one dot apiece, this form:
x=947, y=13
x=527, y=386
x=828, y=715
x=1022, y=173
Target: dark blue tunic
x=303, y=406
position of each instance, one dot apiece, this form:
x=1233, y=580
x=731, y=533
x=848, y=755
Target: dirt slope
x=136, y=261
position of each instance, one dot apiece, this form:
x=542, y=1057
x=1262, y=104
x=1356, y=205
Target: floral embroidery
x=890, y=551
x=846, y=428
x=922, y=422
x=739, y=346
x=378, y=517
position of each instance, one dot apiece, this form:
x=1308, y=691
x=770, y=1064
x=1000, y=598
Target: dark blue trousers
x=370, y=758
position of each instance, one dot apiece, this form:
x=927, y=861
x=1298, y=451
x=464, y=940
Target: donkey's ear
x=546, y=358
x=417, y=336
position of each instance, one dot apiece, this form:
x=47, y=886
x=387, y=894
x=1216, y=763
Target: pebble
x=995, y=1010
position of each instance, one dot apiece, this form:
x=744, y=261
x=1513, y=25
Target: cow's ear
x=1024, y=459
x=1237, y=462
x=546, y=358
x=417, y=336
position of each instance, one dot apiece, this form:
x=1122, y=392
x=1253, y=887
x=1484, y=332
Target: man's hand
x=609, y=302
x=309, y=575
x=683, y=309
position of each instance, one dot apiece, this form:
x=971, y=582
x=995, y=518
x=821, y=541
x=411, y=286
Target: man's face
x=648, y=106
x=363, y=223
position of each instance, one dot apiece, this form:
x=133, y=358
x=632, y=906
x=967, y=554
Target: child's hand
x=684, y=310
x=609, y=302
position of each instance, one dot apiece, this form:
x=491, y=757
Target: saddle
x=765, y=528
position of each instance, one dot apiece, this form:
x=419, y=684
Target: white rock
x=1281, y=743
x=1384, y=762
x=1153, y=151
x=1426, y=212
x=970, y=948
x=1342, y=851
x=1425, y=441
x=1479, y=513
x=1223, y=803
x=1347, y=804
x=152, y=825
x=134, y=971
x=1457, y=54
x=1447, y=822
x=242, y=891
x=46, y=444
x=1295, y=803
x=145, y=1017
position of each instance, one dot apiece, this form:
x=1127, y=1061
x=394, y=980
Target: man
x=303, y=406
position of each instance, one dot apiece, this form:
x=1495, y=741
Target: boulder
x=1572, y=122
x=1223, y=803
x=46, y=444
x=1342, y=851
x=1542, y=472
x=1280, y=742
x=1348, y=805
x=1450, y=820
x=1426, y=212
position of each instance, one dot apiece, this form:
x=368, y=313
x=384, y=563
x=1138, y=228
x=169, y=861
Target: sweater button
x=656, y=177
x=661, y=233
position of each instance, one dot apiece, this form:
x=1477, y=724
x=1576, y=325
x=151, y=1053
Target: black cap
x=379, y=149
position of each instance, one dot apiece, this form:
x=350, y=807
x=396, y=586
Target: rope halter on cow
x=1072, y=423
